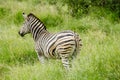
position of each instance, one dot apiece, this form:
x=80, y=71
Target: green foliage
x=52, y=21
x=80, y=7
x=18, y=18
x=4, y=11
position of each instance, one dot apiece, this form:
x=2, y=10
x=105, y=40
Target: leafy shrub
x=79, y=7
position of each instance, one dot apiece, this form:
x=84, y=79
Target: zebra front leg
x=41, y=57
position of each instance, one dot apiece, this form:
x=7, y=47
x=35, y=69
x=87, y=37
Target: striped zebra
x=62, y=45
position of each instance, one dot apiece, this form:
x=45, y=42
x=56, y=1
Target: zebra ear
x=24, y=15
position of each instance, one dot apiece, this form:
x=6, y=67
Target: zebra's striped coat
x=62, y=45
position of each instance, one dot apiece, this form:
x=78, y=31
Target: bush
x=79, y=7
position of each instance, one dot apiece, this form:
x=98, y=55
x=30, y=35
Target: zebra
x=63, y=45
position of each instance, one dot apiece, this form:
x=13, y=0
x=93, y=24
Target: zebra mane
x=32, y=15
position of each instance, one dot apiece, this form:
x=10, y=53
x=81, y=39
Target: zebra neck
x=37, y=34
x=37, y=28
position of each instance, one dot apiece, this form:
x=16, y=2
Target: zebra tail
x=78, y=42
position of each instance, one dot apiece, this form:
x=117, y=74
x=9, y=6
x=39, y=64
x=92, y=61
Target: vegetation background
x=97, y=22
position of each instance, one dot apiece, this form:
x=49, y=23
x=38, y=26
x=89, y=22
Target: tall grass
x=99, y=58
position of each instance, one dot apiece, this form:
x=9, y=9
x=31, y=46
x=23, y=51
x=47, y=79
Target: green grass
x=99, y=58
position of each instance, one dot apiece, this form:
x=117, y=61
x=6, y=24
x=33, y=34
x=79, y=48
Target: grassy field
x=99, y=58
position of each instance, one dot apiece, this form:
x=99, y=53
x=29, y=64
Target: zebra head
x=25, y=28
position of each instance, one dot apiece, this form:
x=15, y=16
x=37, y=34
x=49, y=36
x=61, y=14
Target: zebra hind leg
x=65, y=62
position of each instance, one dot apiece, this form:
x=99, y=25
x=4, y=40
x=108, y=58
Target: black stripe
x=53, y=52
x=65, y=64
x=32, y=23
x=39, y=30
x=32, y=19
x=58, y=44
x=50, y=39
x=66, y=47
x=69, y=44
x=53, y=49
x=36, y=26
x=65, y=35
x=65, y=41
x=64, y=53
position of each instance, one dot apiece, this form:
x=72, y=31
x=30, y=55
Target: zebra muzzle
x=21, y=34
